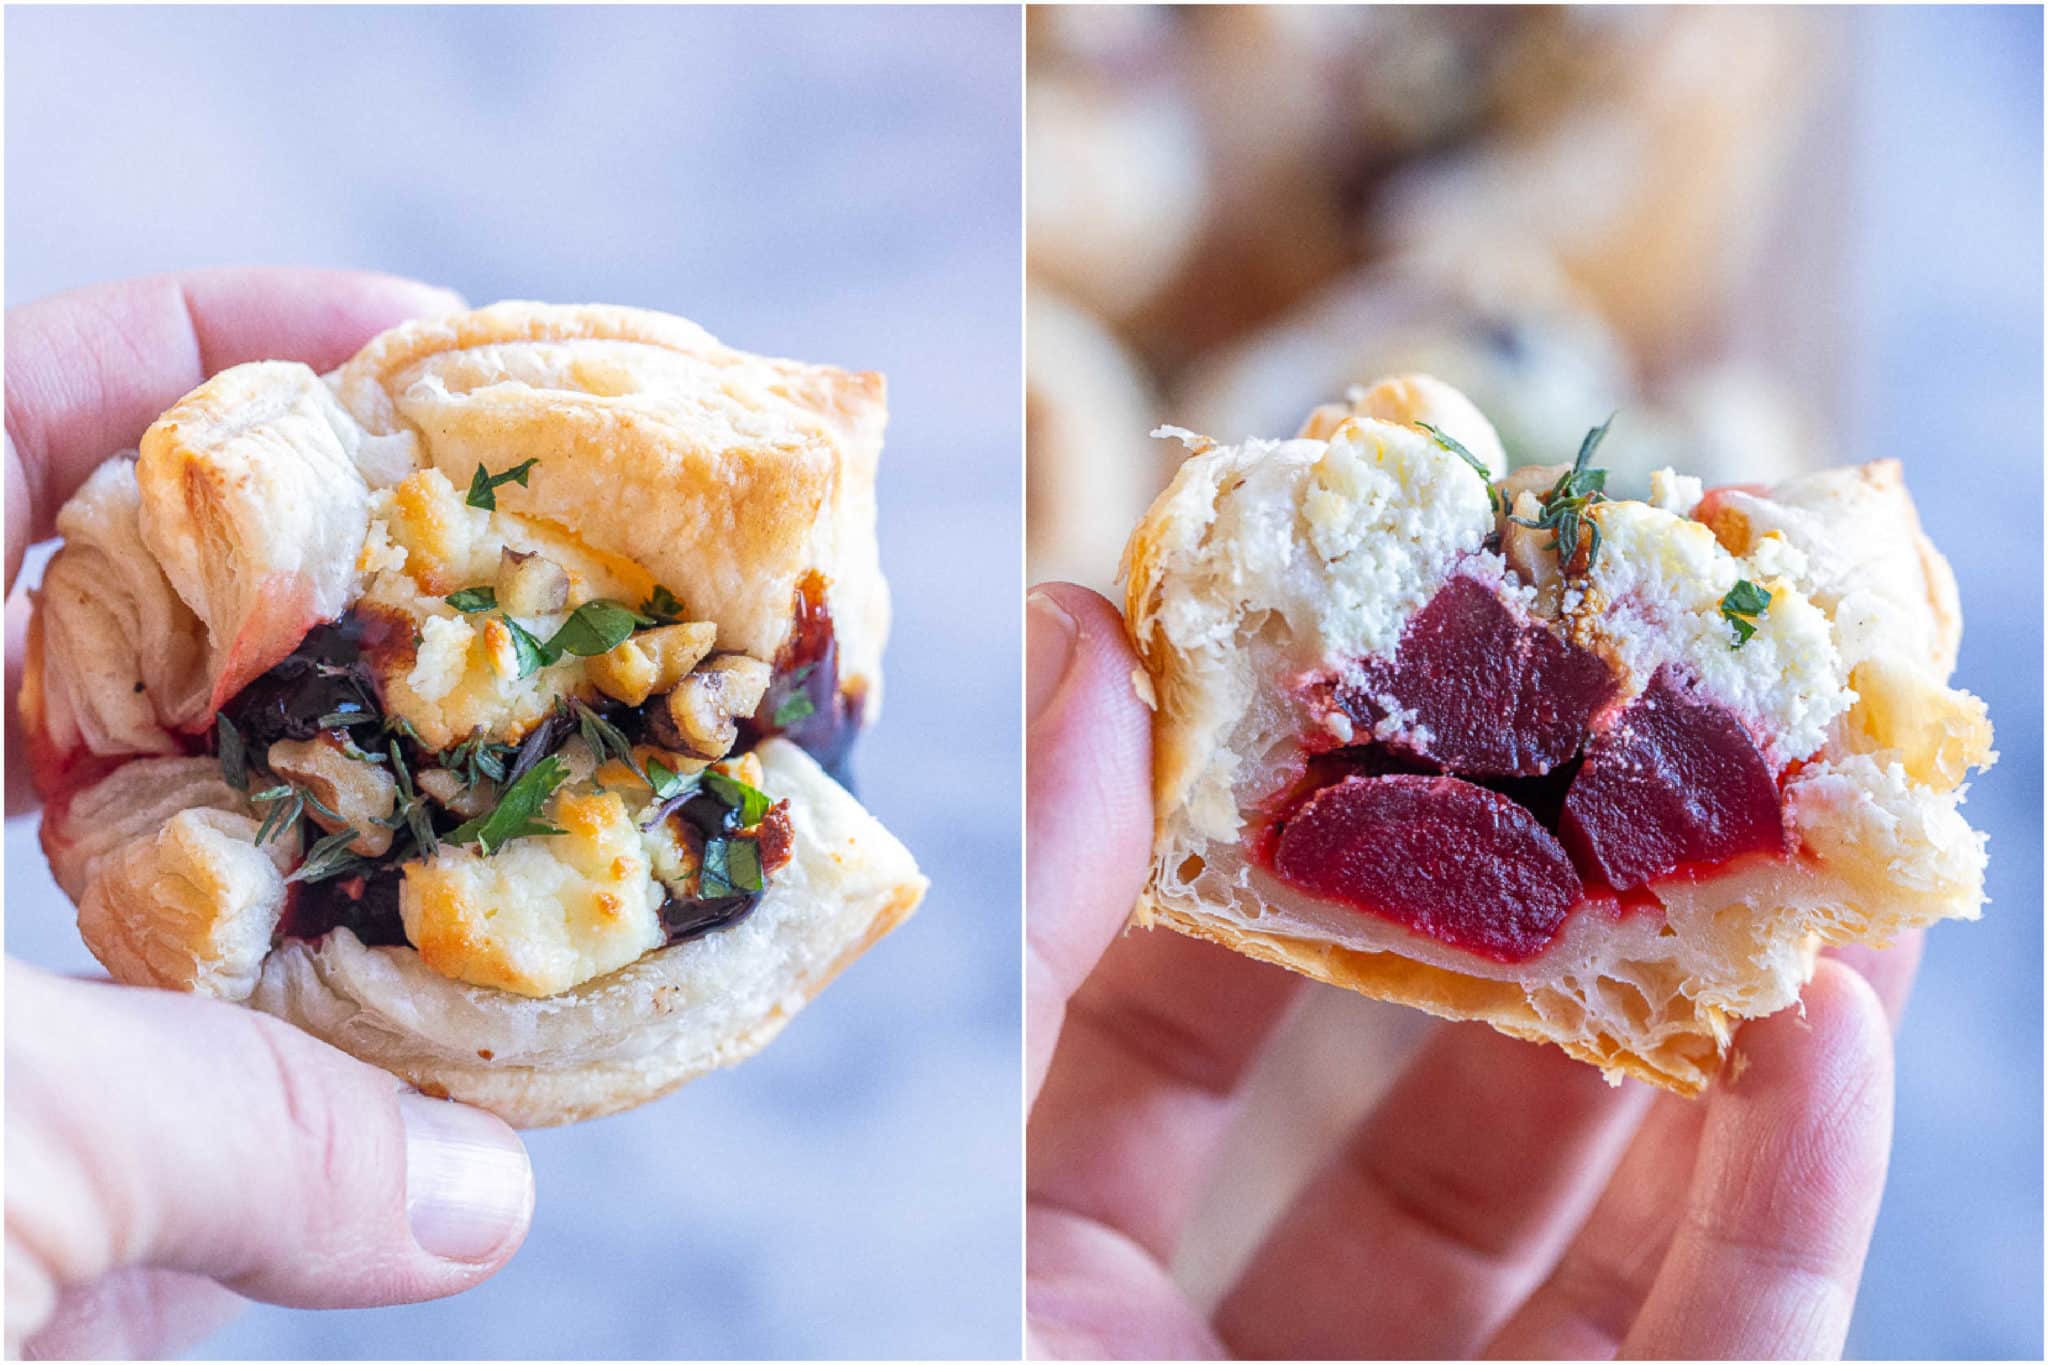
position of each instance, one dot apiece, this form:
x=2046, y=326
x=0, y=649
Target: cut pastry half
x=476, y=707
x=1602, y=773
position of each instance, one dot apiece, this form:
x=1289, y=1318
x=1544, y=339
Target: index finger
x=88, y=371
x=1771, y=1238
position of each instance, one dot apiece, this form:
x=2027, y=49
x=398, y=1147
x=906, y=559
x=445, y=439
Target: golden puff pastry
x=1607, y=781
x=472, y=706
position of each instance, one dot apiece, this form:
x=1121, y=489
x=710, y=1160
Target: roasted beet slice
x=1675, y=779
x=1493, y=693
x=1462, y=864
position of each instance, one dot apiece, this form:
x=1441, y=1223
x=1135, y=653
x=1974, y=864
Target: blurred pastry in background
x=1303, y=110
x=1727, y=423
x=1651, y=186
x=1116, y=174
x=1090, y=467
x=1516, y=335
x=1560, y=210
x=1509, y=330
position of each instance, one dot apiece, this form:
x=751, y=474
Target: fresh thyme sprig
x=478, y=758
x=412, y=812
x=606, y=740
x=1457, y=448
x=287, y=802
x=330, y=857
x=1566, y=505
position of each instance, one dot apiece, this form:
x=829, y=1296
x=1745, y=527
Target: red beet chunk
x=1676, y=779
x=1462, y=864
x=1498, y=694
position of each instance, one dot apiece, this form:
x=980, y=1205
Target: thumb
x=1088, y=800
x=146, y=1128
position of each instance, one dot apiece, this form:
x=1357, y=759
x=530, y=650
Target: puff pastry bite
x=475, y=706
x=1608, y=779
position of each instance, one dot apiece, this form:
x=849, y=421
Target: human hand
x=164, y=1152
x=1502, y=1199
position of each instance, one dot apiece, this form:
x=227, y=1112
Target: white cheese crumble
x=1656, y=591
x=544, y=913
x=463, y=674
x=1348, y=536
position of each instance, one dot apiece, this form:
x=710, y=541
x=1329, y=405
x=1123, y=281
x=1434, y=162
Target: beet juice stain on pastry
x=1601, y=773
x=471, y=707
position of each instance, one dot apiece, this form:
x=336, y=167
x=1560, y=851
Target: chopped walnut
x=1533, y=479
x=705, y=707
x=1528, y=553
x=531, y=584
x=746, y=681
x=363, y=794
x=651, y=661
x=447, y=788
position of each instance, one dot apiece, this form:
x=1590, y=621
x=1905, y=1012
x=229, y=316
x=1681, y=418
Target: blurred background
x=834, y=184
x=1773, y=239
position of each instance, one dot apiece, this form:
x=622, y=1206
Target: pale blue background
x=838, y=185
x=1945, y=364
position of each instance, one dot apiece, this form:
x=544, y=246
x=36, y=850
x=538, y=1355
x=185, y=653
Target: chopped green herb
x=1452, y=444
x=665, y=781
x=731, y=867
x=795, y=707
x=532, y=655
x=517, y=813
x=331, y=857
x=473, y=599
x=343, y=719
x=596, y=627
x=1744, y=601
x=1566, y=505
x=751, y=802
x=664, y=606
x=234, y=756
x=483, y=486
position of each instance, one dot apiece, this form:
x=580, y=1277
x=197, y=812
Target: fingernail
x=1049, y=634
x=468, y=1186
